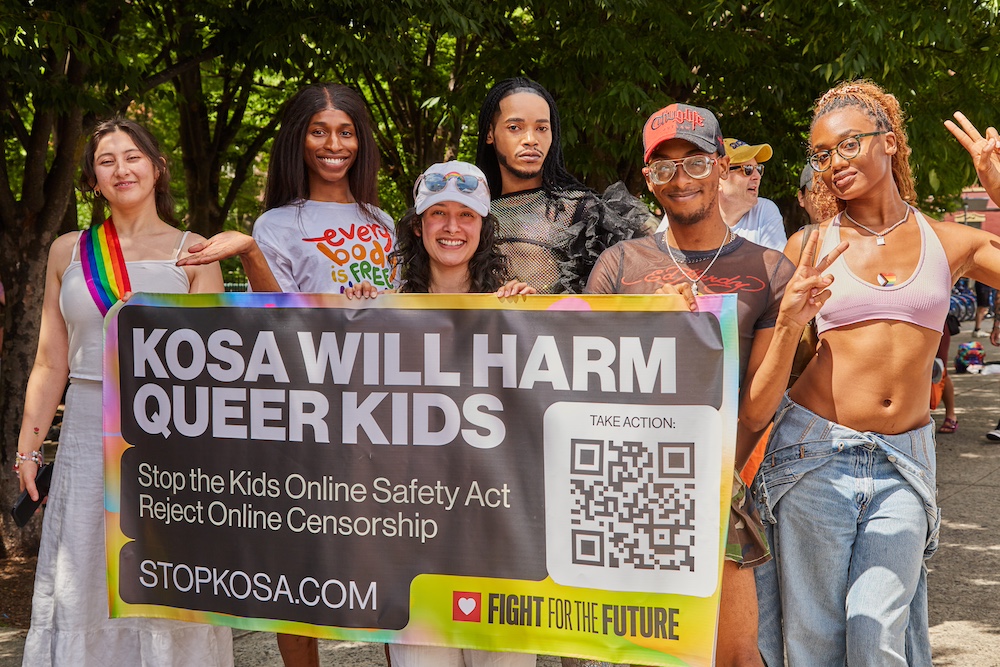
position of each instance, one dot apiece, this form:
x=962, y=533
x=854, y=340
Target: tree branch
x=168, y=73
x=15, y=119
x=229, y=119
x=246, y=161
x=37, y=148
x=69, y=128
x=8, y=205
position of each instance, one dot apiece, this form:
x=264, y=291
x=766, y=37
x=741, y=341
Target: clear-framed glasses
x=848, y=149
x=695, y=166
x=435, y=182
x=748, y=168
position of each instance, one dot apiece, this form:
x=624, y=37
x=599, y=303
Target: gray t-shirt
x=323, y=247
x=757, y=275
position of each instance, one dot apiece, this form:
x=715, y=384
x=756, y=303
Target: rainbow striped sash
x=104, y=265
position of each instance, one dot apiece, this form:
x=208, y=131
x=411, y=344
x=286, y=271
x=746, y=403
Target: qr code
x=632, y=497
x=633, y=503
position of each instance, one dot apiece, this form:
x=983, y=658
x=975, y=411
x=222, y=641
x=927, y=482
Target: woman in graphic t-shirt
x=322, y=230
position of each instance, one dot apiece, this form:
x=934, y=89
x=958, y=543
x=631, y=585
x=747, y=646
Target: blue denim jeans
x=850, y=516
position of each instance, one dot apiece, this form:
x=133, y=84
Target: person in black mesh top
x=552, y=228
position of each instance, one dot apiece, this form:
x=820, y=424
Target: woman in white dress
x=123, y=167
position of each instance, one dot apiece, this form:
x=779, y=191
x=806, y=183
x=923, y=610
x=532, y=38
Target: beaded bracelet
x=34, y=456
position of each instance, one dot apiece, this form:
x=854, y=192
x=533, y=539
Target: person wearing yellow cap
x=747, y=213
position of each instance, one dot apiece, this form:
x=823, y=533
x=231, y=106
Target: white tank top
x=84, y=322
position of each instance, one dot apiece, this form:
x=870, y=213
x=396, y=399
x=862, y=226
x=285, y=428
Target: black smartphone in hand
x=24, y=506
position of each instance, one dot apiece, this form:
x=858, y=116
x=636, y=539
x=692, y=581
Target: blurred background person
x=984, y=302
x=805, y=200
x=749, y=215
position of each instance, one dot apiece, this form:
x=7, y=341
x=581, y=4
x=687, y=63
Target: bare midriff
x=871, y=376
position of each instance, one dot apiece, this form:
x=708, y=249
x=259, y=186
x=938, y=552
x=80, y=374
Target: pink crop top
x=922, y=299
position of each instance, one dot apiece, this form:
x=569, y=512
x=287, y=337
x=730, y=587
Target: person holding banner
x=549, y=225
x=848, y=479
x=135, y=249
x=447, y=242
x=322, y=230
x=699, y=254
x=447, y=245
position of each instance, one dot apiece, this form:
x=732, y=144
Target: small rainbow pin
x=887, y=279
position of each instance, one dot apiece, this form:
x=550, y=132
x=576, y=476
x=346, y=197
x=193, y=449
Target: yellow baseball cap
x=740, y=151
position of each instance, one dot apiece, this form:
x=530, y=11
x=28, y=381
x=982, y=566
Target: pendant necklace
x=694, y=281
x=879, y=236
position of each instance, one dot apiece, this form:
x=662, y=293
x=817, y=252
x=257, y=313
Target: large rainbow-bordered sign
x=539, y=474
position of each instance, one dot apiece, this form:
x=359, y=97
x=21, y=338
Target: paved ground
x=964, y=575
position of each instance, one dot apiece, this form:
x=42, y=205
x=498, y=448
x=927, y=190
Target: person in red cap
x=755, y=218
x=699, y=254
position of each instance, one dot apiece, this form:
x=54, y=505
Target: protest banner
x=542, y=474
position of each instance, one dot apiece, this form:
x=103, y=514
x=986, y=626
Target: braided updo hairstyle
x=884, y=109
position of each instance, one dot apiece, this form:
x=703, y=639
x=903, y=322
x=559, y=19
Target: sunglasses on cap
x=435, y=182
x=748, y=168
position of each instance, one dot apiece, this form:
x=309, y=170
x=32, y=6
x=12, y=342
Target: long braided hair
x=884, y=109
x=554, y=173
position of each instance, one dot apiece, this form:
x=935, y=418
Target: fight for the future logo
x=466, y=606
x=558, y=613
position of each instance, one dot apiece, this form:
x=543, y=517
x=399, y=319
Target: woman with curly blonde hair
x=847, y=486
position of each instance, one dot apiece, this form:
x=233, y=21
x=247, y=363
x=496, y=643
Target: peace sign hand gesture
x=807, y=291
x=985, y=151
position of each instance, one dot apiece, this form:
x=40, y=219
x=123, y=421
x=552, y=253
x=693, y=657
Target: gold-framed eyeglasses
x=695, y=166
x=848, y=149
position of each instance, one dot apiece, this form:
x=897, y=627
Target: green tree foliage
x=210, y=79
x=424, y=85
x=62, y=65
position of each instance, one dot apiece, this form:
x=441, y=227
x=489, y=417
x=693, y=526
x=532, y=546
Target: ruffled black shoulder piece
x=598, y=223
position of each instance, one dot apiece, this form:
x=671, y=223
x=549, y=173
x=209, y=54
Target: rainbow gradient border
x=427, y=625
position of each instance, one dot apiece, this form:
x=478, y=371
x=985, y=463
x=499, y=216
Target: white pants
x=404, y=655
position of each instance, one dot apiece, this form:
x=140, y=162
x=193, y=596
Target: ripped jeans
x=850, y=517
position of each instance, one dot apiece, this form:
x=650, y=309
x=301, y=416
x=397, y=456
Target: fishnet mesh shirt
x=553, y=238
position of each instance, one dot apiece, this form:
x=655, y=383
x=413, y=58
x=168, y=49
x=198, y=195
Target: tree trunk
x=27, y=230
x=199, y=158
x=23, y=257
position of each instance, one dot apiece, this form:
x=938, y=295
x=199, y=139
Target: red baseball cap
x=681, y=121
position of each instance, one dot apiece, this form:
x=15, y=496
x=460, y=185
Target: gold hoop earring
x=97, y=191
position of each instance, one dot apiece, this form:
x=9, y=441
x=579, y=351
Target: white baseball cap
x=455, y=181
